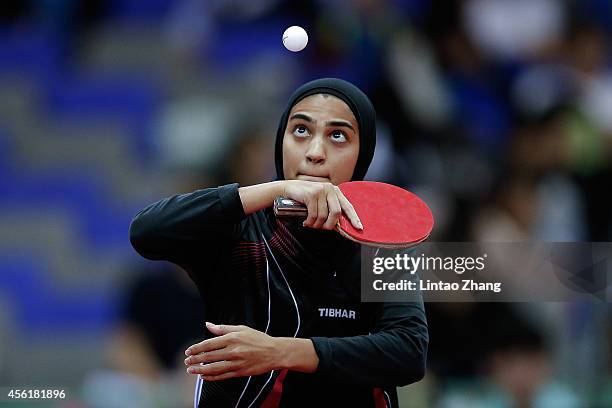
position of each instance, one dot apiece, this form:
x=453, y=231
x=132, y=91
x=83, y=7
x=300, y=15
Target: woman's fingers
x=250, y=352
x=348, y=209
x=208, y=357
x=316, y=202
x=208, y=345
x=325, y=204
x=313, y=211
x=216, y=368
x=335, y=210
x=322, y=211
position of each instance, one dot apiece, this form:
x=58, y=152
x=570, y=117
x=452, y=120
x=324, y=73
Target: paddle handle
x=286, y=207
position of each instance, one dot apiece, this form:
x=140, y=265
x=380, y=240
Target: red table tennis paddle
x=391, y=216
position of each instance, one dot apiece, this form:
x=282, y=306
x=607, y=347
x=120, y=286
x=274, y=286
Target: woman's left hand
x=237, y=351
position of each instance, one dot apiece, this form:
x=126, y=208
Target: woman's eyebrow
x=334, y=122
x=340, y=123
x=302, y=116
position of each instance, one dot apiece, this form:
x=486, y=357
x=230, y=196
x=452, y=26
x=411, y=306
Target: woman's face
x=321, y=141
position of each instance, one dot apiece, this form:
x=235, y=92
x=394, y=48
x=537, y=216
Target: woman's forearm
x=259, y=196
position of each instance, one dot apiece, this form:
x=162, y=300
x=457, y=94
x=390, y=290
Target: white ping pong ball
x=295, y=38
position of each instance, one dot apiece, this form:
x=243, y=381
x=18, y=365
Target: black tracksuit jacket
x=288, y=281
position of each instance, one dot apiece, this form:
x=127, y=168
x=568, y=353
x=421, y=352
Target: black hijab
x=359, y=104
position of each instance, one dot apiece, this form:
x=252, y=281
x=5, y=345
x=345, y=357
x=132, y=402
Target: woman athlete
x=289, y=327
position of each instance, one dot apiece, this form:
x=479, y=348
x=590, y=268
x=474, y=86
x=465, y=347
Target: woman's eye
x=338, y=136
x=300, y=131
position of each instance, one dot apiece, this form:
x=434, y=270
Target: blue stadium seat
x=138, y=10
x=72, y=187
x=35, y=55
x=108, y=226
x=229, y=50
x=132, y=101
x=83, y=195
x=6, y=153
x=39, y=305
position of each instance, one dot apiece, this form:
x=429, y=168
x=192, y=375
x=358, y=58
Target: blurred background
x=497, y=112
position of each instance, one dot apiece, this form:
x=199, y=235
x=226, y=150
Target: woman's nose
x=316, y=151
